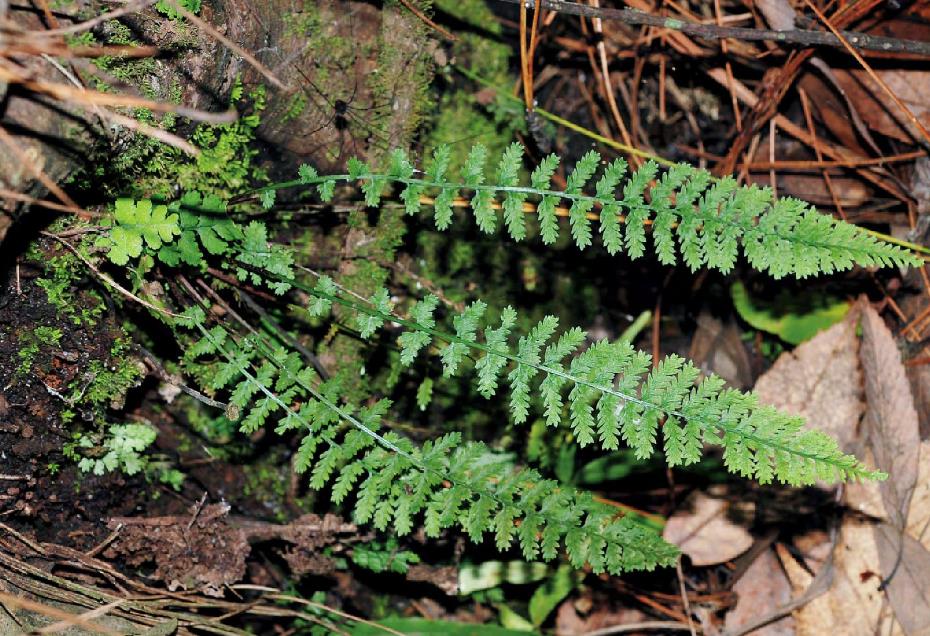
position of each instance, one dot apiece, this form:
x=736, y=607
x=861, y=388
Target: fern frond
x=445, y=481
x=138, y=223
x=614, y=394
x=710, y=221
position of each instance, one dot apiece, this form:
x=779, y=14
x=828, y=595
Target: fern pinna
x=447, y=482
x=708, y=219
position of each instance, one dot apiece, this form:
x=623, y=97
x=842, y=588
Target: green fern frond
x=444, y=482
x=195, y=228
x=138, y=223
x=709, y=221
x=613, y=394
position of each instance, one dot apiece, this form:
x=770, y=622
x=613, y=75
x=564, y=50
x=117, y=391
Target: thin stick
x=805, y=105
x=608, y=89
x=861, y=41
x=425, y=19
x=64, y=92
x=36, y=171
x=109, y=281
x=868, y=69
x=131, y=7
x=42, y=203
x=232, y=46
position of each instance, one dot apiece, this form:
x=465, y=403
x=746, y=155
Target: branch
x=859, y=40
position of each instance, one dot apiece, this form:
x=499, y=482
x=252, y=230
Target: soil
x=41, y=489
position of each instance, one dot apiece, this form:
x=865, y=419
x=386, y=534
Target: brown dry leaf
x=779, y=14
x=849, y=191
x=887, y=551
x=919, y=377
x=570, y=619
x=905, y=564
x=877, y=110
x=852, y=606
x=761, y=590
x=703, y=531
x=718, y=348
x=891, y=419
x=820, y=380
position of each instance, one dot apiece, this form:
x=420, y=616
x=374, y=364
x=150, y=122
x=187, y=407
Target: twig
x=275, y=594
x=109, y=281
x=423, y=18
x=64, y=92
x=163, y=375
x=51, y=205
x=861, y=41
x=684, y=596
x=61, y=615
x=36, y=170
x=232, y=46
x=868, y=69
x=636, y=627
x=132, y=7
x=34, y=546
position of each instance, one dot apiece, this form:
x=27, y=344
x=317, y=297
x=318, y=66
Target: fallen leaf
x=718, y=348
x=704, y=532
x=905, y=567
x=919, y=377
x=779, y=14
x=569, y=621
x=762, y=589
x=820, y=380
x=877, y=109
x=891, y=419
x=852, y=606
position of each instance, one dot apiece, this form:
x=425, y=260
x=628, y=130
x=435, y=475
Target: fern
x=613, y=394
x=709, y=221
x=137, y=224
x=606, y=392
x=192, y=230
x=445, y=482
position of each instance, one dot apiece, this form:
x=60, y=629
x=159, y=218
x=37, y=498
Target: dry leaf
x=891, y=419
x=878, y=111
x=905, y=565
x=820, y=380
x=853, y=604
x=761, y=590
x=777, y=13
x=919, y=377
x=702, y=530
x=718, y=348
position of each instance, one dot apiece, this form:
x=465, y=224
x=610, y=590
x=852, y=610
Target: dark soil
x=39, y=487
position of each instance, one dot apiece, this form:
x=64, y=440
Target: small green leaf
x=484, y=576
x=548, y=595
x=793, y=317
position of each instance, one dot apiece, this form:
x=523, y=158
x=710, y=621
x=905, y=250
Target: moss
x=459, y=117
x=267, y=481
x=139, y=72
x=225, y=165
x=34, y=341
x=296, y=107
x=110, y=379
